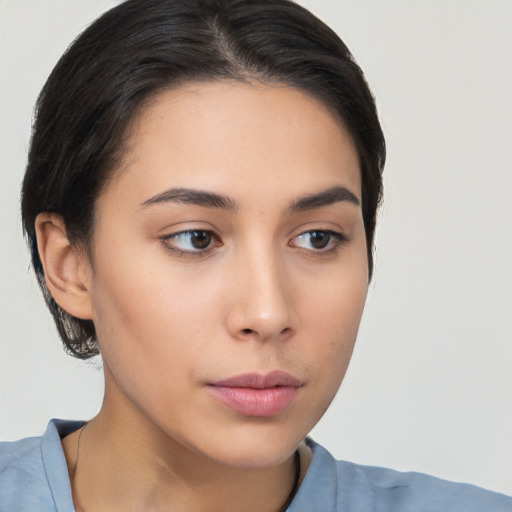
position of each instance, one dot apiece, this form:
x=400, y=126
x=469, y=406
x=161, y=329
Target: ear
x=66, y=269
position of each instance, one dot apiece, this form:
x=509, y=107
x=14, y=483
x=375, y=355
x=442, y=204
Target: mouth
x=254, y=394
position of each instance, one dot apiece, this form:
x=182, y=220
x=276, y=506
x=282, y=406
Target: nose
x=261, y=299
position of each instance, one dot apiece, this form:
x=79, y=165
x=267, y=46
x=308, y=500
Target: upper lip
x=259, y=381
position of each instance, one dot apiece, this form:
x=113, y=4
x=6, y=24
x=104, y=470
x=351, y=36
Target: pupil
x=319, y=239
x=201, y=239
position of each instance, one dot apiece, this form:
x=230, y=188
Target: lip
x=254, y=394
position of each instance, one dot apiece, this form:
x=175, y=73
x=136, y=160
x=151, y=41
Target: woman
x=200, y=203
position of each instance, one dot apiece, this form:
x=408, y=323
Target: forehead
x=225, y=134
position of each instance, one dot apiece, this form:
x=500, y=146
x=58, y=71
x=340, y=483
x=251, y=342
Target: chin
x=256, y=457
x=260, y=448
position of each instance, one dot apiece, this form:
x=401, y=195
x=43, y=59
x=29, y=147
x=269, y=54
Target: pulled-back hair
x=142, y=47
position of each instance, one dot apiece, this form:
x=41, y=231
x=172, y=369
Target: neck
x=115, y=467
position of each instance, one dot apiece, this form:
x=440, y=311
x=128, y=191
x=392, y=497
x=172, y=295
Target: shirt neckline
x=318, y=488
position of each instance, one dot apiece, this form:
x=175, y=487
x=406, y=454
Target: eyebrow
x=195, y=197
x=212, y=200
x=326, y=197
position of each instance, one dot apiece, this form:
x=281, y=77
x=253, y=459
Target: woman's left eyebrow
x=324, y=198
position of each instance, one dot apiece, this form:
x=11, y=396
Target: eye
x=193, y=241
x=318, y=240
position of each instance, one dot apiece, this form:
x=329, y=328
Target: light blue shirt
x=34, y=478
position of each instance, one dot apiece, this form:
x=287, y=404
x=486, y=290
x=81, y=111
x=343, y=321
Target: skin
x=171, y=318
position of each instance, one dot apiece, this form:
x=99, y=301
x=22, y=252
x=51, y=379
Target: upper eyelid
x=337, y=234
x=190, y=230
x=339, y=238
x=170, y=236
x=334, y=231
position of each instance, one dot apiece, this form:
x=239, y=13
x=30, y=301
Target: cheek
x=148, y=317
x=331, y=320
x=334, y=312
x=143, y=291
x=152, y=340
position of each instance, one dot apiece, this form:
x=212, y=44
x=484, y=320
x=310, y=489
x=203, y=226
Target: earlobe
x=66, y=270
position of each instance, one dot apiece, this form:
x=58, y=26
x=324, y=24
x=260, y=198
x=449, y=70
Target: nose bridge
x=262, y=305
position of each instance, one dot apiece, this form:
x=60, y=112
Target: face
x=229, y=269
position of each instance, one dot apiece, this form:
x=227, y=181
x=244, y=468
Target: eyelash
x=187, y=253
x=334, y=241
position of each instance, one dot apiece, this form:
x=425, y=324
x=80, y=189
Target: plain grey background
x=430, y=383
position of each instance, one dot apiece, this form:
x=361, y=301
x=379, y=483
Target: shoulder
x=33, y=472
x=22, y=476
x=409, y=491
x=23, y=456
x=353, y=487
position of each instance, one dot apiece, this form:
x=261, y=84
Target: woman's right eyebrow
x=194, y=197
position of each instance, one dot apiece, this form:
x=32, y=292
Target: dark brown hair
x=144, y=46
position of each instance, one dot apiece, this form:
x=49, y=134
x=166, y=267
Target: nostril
x=247, y=331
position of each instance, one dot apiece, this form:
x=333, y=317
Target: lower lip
x=255, y=402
